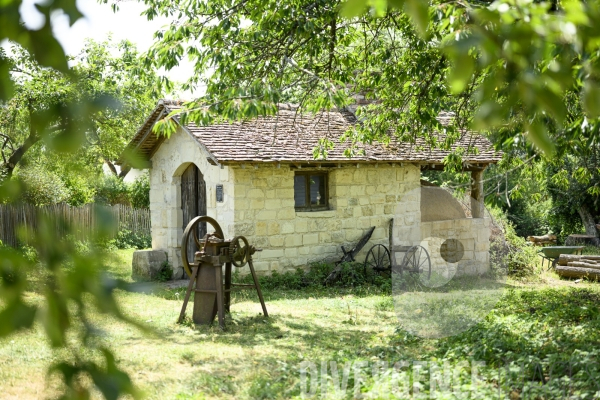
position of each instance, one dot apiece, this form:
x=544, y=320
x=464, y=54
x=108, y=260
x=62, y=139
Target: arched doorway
x=193, y=202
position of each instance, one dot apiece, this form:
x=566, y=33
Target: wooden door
x=193, y=202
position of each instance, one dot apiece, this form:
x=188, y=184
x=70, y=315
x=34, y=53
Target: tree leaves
x=16, y=315
x=418, y=10
x=41, y=43
x=353, y=8
x=591, y=98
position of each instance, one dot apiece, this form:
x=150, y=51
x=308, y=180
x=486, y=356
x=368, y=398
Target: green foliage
x=165, y=273
x=80, y=190
x=571, y=181
x=42, y=187
x=112, y=190
x=508, y=66
x=113, y=93
x=518, y=360
x=509, y=250
x=351, y=275
x=515, y=66
x=69, y=279
x=126, y=239
x=139, y=192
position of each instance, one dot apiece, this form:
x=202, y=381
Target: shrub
x=351, y=275
x=112, y=190
x=508, y=250
x=81, y=191
x=139, y=192
x=127, y=239
x=42, y=187
x=165, y=273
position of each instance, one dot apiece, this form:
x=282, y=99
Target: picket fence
x=17, y=220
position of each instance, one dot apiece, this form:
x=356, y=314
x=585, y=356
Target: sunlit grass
x=257, y=357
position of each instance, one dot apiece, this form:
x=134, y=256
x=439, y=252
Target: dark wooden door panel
x=193, y=202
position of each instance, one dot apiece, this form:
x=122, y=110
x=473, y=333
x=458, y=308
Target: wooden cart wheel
x=416, y=260
x=191, y=233
x=239, y=251
x=378, y=259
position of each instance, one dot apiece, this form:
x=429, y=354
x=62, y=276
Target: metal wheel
x=379, y=260
x=191, y=233
x=239, y=251
x=416, y=261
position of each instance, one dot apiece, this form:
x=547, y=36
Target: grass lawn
x=542, y=341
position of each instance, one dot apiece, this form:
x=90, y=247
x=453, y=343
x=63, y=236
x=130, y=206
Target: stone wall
x=472, y=233
x=168, y=163
x=359, y=198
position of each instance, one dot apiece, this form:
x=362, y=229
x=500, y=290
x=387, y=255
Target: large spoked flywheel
x=191, y=233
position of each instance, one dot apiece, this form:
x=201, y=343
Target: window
x=310, y=191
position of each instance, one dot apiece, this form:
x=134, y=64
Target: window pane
x=300, y=190
x=317, y=190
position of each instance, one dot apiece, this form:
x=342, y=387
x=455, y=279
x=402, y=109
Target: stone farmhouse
x=259, y=179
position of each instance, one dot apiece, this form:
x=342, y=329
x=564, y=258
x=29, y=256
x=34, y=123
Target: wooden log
x=577, y=272
x=542, y=239
x=564, y=259
x=583, y=264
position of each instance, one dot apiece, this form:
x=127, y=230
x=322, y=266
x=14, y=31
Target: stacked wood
x=577, y=266
x=540, y=240
x=565, y=259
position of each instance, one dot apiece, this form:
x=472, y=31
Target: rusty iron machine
x=212, y=296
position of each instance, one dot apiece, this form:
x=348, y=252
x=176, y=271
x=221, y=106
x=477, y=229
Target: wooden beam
x=477, y=209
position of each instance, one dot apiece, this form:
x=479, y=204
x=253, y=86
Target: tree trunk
x=588, y=221
x=124, y=171
x=111, y=166
x=16, y=157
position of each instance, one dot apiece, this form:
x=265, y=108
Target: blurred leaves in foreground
x=66, y=118
x=73, y=287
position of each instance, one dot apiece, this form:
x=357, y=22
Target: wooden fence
x=19, y=219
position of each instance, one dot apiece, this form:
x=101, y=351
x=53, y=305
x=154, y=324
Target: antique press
x=212, y=293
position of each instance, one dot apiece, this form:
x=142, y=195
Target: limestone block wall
x=168, y=163
x=359, y=198
x=473, y=234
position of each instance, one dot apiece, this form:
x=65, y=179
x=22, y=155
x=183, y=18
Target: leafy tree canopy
x=506, y=67
x=46, y=104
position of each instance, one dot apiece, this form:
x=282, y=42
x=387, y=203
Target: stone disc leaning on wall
x=462, y=285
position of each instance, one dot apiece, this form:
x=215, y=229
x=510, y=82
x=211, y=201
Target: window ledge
x=316, y=214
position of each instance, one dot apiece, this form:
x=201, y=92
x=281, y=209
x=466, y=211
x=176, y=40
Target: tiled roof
x=291, y=137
